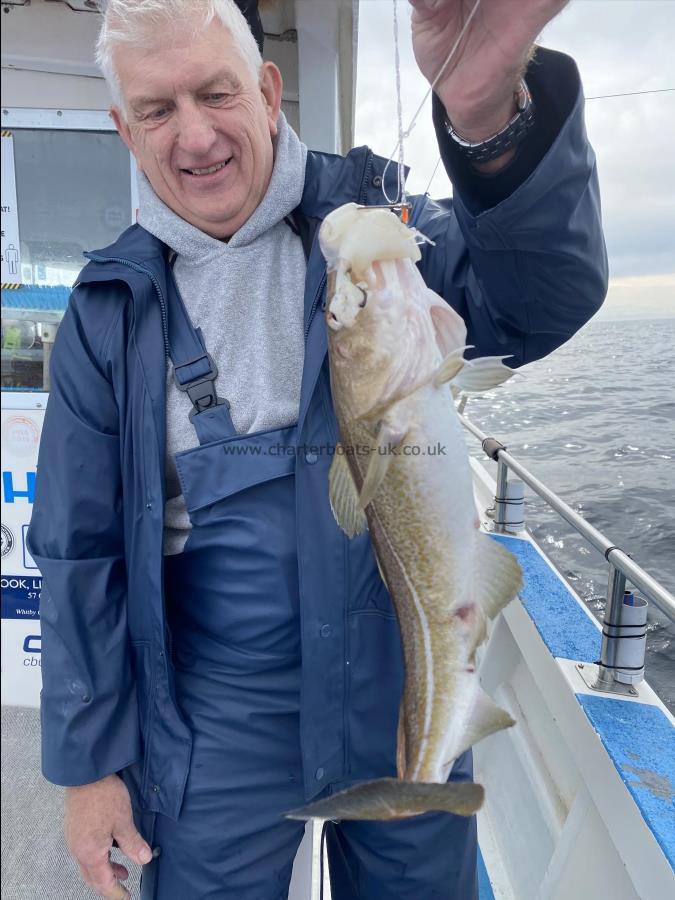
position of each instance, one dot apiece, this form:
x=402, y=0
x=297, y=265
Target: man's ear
x=271, y=88
x=123, y=129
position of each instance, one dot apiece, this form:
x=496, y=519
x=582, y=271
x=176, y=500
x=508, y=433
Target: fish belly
x=422, y=523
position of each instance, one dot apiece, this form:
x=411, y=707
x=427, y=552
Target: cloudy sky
x=620, y=46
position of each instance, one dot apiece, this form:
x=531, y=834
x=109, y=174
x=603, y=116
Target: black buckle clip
x=202, y=391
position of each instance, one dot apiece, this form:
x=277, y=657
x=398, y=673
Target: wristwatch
x=512, y=134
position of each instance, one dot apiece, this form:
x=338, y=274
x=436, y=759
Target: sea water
x=595, y=421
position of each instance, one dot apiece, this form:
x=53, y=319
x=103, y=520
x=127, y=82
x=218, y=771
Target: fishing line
x=399, y=111
x=433, y=175
x=632, y=94
x=403, y=134
x=600, y=97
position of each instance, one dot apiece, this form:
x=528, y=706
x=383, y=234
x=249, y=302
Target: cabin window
x=74, y=192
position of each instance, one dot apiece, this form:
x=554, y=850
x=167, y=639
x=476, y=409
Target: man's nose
x=196, y=134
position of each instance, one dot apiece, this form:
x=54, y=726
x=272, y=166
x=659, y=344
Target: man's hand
x=95, y=815
x=477, y=88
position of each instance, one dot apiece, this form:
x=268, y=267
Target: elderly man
x=215, y=651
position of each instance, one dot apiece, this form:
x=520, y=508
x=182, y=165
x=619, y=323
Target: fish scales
x=394, y=349
x=410, y=512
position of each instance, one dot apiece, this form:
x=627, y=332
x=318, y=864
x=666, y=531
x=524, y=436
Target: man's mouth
x=208, y=170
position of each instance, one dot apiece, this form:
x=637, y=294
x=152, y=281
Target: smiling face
x=200, y=125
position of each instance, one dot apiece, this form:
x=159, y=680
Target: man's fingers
x=120, y=871
x=95, y=814
x=103, y=880
x=132, y=844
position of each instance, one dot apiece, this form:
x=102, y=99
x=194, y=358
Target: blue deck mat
x=31, y=296
x=640, y=740
x=563, y=625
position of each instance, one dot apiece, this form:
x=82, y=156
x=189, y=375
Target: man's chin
x=219, y=223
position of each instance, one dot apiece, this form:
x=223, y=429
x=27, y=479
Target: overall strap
x=194, y=370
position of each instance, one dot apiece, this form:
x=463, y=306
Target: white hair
x=137, y=23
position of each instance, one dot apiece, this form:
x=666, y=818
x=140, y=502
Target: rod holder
x=501, y=496
x=631, y=638
x=514, y=503
x=624, y=636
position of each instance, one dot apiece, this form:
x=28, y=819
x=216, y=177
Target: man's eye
x=156, y=114
x=216, y=98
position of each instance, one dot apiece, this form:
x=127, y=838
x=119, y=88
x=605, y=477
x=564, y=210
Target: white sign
x=11, y=252
x=21, y=581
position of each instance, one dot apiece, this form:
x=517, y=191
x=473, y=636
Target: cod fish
x=396, y=352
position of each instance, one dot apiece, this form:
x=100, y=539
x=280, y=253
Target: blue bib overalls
x=232, y=601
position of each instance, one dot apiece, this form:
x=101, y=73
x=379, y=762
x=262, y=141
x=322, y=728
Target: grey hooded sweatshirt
x=246, y=294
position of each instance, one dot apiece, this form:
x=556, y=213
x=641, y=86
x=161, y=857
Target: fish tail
x=390, y=798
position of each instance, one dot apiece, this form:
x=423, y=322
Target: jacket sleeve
x=88, y=703
x=521, y=255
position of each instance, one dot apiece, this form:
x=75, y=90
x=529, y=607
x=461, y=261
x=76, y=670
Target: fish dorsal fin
x=480, y=374
x=344, y=498
x=451, y=366
x=497, y=577
x=486, y=718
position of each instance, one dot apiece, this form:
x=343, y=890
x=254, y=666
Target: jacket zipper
x=158, y=289
x=165, y=333
x=315, y=304
x=367, y=169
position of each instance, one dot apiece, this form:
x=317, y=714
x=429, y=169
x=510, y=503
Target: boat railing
x=617, y=634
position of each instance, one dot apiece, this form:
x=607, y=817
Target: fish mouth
x=333, y=322
x=201, y=171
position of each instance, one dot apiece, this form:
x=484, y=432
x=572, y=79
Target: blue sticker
x=21, y=597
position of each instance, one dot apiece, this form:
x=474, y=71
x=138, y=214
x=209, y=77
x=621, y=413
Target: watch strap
x=512, y=134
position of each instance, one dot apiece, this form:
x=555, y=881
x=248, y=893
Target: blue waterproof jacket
x=519, y=256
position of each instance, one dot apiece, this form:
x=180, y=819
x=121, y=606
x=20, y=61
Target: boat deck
x=638, y=736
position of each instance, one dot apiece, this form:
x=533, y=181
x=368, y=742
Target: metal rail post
x=641, y=580
x=48, y=336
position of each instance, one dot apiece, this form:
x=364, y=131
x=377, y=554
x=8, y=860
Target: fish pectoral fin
x=381, y=570
x=486, y=718
x=497, y=577
x=389, y=437
x=343, y=496
x=482, y=374
x=401, y=759
x=389, y=798
x=449, y=326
